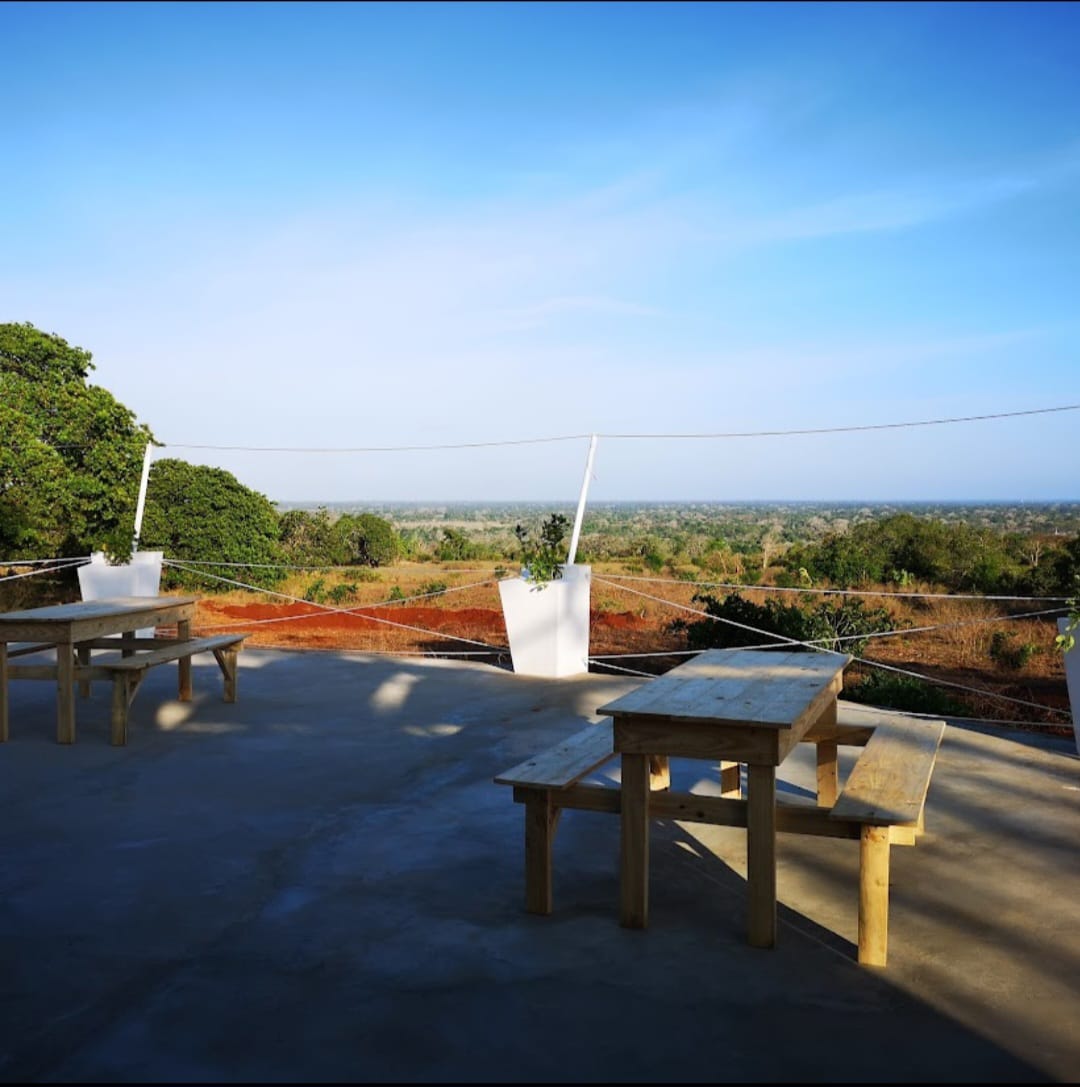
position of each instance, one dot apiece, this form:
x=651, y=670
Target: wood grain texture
x=874, y=896
x=889, y=782
x=565, y=763
x=761, y=855
x=769, y=689
x=634, y=842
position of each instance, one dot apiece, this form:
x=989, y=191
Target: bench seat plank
x=561, y=766
x=889, y=782
x=24, y=649
x=118, y=663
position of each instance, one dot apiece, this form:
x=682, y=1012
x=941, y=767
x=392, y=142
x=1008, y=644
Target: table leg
x=83, y=653
x=65, y=693
x=761, y=854
x=126, y=640
x=183, y=632
x=3, y=693
x=634, y=842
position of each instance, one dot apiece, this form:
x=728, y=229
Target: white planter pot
x=548, y=627
x=1072, y=680
x=140, y=577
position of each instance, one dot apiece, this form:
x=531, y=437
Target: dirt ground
x=630, y=616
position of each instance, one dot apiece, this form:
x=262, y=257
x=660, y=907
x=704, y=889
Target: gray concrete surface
x=321, y=882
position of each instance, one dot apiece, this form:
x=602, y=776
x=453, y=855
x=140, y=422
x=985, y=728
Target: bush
x=1007, y=655
x=825, y=624
x=907, y=693
x=206, y=514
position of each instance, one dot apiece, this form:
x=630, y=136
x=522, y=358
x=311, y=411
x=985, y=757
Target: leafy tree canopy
x=199, y=513
x=72, y=454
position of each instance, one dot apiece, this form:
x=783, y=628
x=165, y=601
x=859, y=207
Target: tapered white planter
x=548, y=627
x=140, y=577
x=1072, y=680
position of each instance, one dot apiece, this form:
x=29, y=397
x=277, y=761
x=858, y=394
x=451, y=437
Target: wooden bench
x=542, y=784
x=881, y=804
x=885, y=797
x=127, y=672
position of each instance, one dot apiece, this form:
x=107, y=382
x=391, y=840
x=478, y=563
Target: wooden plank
x=874, y=896
x=828, y=773
x=226, y=659
x=735, y=686
x=889, y=781
x=735, y=743
x=65, y=694
x=183, y=632
x=62, y=614
x=634, y=842
x=761, y=855
x=844, y=735
x=175, y=651
x=541, y=819
x=565, y=763
x=24, y=649
x=731, y=779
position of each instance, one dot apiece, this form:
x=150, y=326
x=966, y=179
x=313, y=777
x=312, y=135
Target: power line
x=860, y=427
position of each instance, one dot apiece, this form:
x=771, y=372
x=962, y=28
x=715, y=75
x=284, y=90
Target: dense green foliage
x=317, y=539
x=904, y=693
x=736, y=621
x=904, y=548
x=543, y=553
x=71, y=454
x=199, y=513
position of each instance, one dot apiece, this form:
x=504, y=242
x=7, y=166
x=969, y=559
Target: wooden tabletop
x=95, y=609
x=772, y=689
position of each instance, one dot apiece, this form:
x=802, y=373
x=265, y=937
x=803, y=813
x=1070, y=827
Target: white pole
x=140, y=506
x=581, y=502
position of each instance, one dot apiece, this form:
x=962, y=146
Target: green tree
x=367, y=540
x=310, y=539
x=205, y=514
x=71, y=454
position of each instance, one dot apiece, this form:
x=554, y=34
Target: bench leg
x=65, y=694
x=83, y=653
x=226, y=659
x=761, y=854
x=541, y=819
x=730, y=779
x=659, y=772
x=873, y=896
x=125, y=684
x=828, y=774
x=183, y=632
x=634, y=842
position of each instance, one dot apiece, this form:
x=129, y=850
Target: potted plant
x=547, y=608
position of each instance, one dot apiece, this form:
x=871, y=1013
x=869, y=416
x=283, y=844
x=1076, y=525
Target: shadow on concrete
x=321, y=882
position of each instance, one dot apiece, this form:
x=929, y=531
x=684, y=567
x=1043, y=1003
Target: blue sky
x=381, y=225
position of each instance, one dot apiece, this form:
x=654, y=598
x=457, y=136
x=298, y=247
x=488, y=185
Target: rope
x=855, y=429
x=37, y=562
x=837, y=592
x=579, y=437
x=44, y=570
x=322, y=608
x=782, y=639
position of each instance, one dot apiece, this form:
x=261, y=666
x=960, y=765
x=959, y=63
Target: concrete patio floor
x=321, y=882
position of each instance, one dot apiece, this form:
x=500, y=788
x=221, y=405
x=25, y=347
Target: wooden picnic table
x=73, y=630
x=739, y=706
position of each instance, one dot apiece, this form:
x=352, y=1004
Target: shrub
x=907, y=693
x=825, y=624
x=543, y=555
x=1007, y=655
